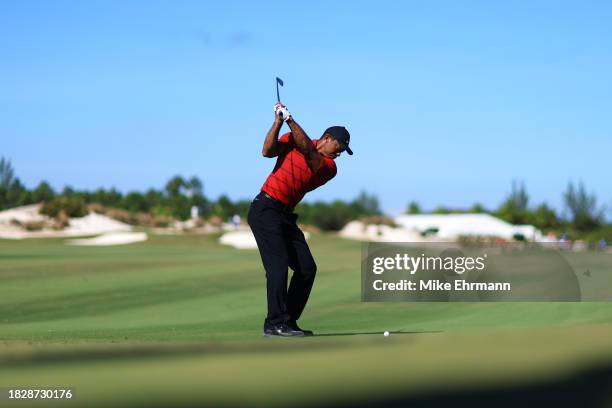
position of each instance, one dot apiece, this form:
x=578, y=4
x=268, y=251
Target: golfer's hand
x=281, y=111
x=278, y=106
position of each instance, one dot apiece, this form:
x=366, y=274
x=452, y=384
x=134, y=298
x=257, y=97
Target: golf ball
x=386, y=334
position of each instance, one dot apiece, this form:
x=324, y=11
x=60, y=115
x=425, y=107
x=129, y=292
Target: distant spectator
x=602, y=244
x=194, y=212
x=236, y=220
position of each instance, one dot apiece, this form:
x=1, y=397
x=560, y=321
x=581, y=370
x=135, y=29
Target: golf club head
x=279, y=81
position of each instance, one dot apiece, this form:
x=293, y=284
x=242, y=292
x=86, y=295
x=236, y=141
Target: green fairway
x=177, y=320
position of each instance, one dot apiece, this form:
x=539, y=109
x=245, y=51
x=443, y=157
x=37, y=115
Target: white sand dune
x=91, y=224
x=452, y=226
x=359, y=231
x=26, y=213
x=94, y=223
x=111, y=238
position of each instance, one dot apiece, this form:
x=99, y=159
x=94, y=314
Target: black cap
x=342, y=136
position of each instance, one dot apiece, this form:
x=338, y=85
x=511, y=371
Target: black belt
x=279, y=204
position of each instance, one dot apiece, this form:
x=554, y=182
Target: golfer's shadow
x=375, y=332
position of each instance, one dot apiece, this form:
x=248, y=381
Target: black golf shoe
x=281, y=330
x=294, y=326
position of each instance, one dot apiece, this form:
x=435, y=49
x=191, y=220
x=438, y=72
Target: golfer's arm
x=305, y=145
x=271, y=147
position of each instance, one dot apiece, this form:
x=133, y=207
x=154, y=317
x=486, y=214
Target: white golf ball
x=386, y=334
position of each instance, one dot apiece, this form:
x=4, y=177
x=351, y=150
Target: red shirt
x=291, y=178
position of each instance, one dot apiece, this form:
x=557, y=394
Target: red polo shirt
x=291, y=178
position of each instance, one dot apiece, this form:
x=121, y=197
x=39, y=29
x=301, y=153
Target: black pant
x=281, y=245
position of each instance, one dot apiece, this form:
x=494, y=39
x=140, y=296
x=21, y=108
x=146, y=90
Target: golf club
x=279, y=81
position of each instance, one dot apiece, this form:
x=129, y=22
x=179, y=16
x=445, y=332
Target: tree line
x=180, y=194
x=175, y=200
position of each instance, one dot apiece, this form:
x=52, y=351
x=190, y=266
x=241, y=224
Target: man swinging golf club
x=301, y=166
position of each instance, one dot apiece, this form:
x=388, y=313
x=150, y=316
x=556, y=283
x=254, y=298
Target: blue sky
x=446, y=102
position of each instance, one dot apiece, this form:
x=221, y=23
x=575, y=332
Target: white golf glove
x=282, y=111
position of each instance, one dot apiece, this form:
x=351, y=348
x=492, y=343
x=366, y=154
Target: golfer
x=301, y=166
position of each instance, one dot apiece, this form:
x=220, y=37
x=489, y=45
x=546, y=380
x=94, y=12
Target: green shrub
x=604, y=232
x=34, y=225
x=71, y=206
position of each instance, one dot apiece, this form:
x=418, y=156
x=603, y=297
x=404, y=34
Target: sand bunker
x=112, y=238
x=243, y=239
x=239, y=239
